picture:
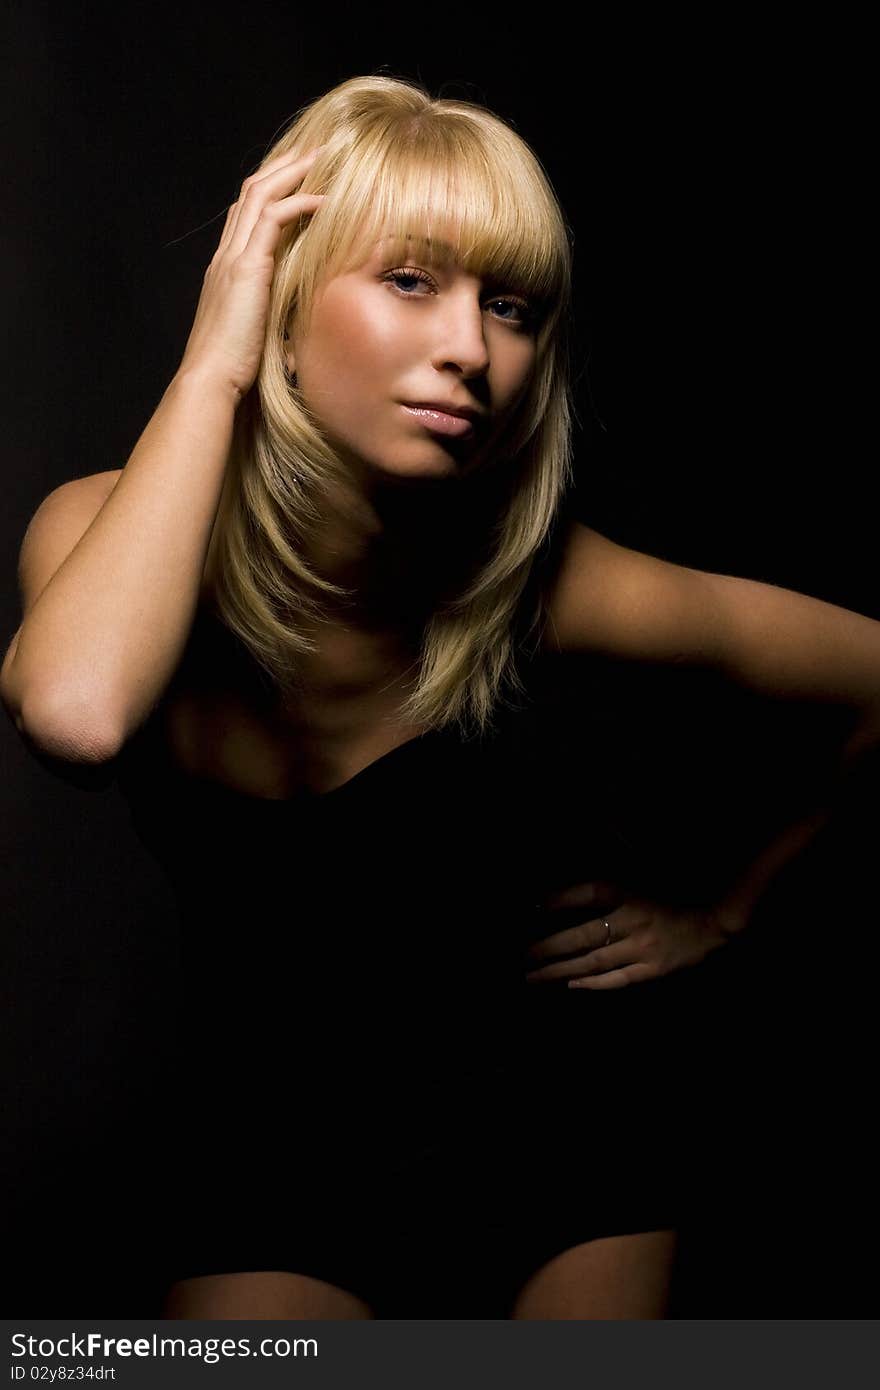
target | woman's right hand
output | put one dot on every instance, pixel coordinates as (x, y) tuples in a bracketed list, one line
[(229, 329)]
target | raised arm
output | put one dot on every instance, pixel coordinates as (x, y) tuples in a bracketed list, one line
[(109, 598), (110, 579)]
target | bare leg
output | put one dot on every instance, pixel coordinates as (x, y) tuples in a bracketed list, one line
[(624, 1277), (261, 1294)]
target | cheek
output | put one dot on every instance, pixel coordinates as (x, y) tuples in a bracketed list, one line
[(357, 351), (522, 361)]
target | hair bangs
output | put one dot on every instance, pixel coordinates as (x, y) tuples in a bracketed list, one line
[(446, 200)]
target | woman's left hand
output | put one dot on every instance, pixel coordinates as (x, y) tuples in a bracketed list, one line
[(647, 939)]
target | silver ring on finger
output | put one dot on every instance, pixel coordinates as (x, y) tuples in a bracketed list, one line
[(607, 941)]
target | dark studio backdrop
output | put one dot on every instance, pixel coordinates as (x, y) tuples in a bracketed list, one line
[(715, 184)]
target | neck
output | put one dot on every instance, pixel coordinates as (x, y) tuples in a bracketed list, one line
[(399, 549)]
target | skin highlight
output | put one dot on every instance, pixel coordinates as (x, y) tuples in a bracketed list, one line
[(381, 334)]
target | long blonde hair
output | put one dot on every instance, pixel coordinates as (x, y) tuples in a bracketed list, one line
[(398, 158)]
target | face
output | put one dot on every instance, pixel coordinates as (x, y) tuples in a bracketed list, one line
[(420, 330)]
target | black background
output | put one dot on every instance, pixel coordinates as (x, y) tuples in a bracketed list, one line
[(715, 177)]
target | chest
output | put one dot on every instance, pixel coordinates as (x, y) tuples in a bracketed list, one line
[(221, 720)]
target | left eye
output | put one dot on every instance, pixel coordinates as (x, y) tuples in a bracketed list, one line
[(414, 274)]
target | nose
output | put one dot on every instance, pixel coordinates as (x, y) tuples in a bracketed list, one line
[(461, 339)]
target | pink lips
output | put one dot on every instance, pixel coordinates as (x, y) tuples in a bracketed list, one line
[(440, 422)]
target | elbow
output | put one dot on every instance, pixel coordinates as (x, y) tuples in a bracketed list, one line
[(65, 730)]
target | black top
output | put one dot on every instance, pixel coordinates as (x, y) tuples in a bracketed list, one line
[(397, 904), (354, 1006)]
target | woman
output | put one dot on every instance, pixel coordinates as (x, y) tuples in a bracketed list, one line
[(341, 538)]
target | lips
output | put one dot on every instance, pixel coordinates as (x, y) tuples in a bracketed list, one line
[(465, 412), (441, 421)]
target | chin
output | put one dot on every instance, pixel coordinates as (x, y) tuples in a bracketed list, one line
[(421, 467)]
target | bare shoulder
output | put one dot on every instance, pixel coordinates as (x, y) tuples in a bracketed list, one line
[(94, 485), (611, 600), (56, 526), (58, 523)]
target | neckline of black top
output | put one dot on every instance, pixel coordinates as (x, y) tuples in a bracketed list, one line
[(304, 793)]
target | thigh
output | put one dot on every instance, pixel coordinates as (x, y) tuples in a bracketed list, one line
[(611, 1277), (262, 1294)]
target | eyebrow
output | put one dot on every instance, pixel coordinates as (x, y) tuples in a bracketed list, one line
[(418, 239)]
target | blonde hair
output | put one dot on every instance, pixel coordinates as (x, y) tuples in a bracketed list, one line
[(397, 158)]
